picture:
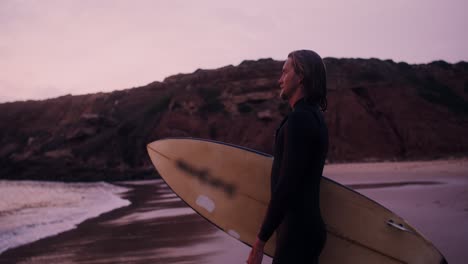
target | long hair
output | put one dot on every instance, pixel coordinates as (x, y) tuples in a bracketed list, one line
[(310, 65)]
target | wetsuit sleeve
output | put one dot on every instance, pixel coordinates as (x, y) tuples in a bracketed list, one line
[(293, 169)]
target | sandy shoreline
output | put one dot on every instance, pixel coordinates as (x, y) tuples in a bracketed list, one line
[(32, 210), (158, 228), (102, 240)]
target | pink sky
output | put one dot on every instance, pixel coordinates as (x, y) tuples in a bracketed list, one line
[(50, 48)]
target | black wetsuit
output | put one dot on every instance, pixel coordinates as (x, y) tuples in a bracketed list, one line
[(301, 147)]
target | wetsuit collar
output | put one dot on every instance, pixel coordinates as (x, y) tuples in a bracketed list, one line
[(302, 102)]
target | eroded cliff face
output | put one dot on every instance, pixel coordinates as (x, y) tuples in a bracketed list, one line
[(378, 110)]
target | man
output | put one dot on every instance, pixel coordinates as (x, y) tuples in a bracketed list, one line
[(301, 146)]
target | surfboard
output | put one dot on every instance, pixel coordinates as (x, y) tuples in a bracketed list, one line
[(229, 186)]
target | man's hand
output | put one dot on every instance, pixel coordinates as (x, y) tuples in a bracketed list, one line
[(256, 254)]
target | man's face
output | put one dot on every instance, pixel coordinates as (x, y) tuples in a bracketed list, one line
[(289, 81)]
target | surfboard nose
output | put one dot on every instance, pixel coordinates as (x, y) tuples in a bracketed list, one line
[(159, 148), (155, 145)]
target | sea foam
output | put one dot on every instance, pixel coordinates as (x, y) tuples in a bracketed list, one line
[(31, 210)]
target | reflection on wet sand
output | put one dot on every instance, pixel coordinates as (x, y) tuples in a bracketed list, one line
[(390, 184), (155, 228), (158, 228)]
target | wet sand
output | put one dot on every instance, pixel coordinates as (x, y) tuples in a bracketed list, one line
[(158, 228)]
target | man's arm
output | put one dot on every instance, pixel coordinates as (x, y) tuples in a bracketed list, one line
[(297, 143)]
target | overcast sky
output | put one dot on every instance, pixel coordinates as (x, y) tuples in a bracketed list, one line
[(50, 48)]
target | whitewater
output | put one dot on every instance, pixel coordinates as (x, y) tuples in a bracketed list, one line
[(32, 210)]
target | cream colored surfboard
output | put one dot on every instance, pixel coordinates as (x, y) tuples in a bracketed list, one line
[(229, 186)]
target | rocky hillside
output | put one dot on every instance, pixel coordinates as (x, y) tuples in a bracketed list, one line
[(378, 110)]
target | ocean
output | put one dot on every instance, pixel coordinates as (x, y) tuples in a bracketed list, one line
[(32, 210)]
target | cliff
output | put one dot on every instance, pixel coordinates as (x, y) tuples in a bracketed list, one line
[(378, 110)]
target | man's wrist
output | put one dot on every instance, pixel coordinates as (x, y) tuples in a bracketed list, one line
[(260, 244)]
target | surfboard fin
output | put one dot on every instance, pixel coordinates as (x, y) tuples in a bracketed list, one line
[(398, 226)]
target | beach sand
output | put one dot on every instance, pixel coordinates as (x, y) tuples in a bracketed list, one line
[(158, 228), (432, 196)]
